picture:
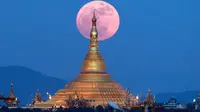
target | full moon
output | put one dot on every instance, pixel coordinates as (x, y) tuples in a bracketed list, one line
[(107, 19)]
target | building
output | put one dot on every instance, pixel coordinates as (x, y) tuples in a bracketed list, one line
[(172, 104), (150, 100), (37, 98), (197, 102), (11, 100), (93, 83)]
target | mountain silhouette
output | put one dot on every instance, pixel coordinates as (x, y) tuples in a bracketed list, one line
[(26, 82)]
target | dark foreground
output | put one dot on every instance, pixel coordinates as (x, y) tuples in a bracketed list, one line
[(98, 109)]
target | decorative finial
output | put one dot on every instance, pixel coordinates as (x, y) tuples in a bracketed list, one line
[(11, 83), (94, 19)]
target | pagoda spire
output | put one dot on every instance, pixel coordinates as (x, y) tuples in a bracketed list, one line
[(11, 94), (93, 47), (93, 62)]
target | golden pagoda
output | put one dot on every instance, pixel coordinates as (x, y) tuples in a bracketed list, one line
[(93, 83)]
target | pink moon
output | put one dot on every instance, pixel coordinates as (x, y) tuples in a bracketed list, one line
[(107, 19)]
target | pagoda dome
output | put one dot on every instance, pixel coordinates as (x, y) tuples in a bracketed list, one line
[(172, 100)]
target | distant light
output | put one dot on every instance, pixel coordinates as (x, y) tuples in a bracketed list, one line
[(137, 97), (49, 96), (47, 93), (194, 100)]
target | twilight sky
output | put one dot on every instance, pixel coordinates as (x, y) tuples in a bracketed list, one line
[(157, 44)]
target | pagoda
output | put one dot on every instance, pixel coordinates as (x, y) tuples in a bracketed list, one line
[(150, 100), (93, 83), (197, 102), (11, 100), (37, 98)]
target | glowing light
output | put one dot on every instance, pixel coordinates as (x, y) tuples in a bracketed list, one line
[(194, 100), (137, 97), (49, 96)]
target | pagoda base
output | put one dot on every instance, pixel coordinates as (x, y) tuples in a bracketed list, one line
[(96, 88)]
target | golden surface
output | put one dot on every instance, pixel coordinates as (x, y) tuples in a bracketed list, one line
[(100, 88), (93, 83), (93, 61)]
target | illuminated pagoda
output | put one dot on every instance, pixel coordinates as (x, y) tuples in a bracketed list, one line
[(93, 83), (150, 100), (11, 100), (37, 98)]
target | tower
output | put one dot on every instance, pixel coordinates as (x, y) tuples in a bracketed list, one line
[(11, 94), (11, 100), (150, 100), (37, 98), (93, 83)]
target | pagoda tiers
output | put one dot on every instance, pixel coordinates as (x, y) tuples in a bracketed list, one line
[(93, 83)]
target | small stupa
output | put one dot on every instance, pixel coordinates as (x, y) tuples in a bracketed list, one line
[(11, 100), (38, 97)]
